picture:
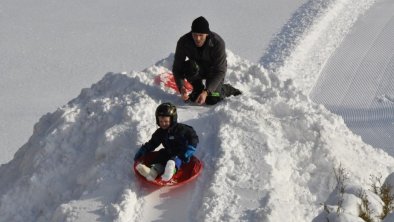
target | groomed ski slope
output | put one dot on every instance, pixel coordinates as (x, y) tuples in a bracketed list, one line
[(268, 155), (357, 82)]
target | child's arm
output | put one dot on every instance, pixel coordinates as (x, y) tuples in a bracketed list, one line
[(192, 139), (153, 143), (149, 146)]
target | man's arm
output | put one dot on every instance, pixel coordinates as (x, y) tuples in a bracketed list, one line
[(177, 67), (218, 68)]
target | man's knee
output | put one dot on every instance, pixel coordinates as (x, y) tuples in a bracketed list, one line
[(213, 98), (191, 70)]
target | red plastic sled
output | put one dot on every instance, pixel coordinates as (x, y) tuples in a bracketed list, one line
[(168, 79), (188, 172)]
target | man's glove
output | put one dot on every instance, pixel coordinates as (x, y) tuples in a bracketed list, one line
[(139, 153), (189, 153)]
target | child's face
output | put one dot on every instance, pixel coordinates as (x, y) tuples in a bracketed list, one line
[(164, 122)]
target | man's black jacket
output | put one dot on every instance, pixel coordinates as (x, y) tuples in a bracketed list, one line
[(211, 58)]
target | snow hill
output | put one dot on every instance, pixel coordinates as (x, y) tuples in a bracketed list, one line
[(269, 155)]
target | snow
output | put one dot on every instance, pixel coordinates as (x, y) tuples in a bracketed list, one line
[(357, 81), (53, 49), (269, 154)]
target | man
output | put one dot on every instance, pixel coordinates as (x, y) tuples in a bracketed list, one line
[(201, 55)]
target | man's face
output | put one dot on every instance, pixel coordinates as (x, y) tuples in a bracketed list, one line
[(164, 122), (199, 38)]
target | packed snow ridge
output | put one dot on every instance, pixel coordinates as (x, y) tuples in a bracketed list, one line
[(269, 154), (300, 50)]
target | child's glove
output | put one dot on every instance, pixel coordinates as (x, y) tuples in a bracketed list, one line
[(139, 153), (189, 153)]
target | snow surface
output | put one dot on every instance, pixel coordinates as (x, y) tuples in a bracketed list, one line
[(51, 49), (269, 155), (357, 82)]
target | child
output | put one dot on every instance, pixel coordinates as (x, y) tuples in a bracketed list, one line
[(179, 142)]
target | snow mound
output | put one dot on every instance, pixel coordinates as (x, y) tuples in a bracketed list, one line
[(269, 154)]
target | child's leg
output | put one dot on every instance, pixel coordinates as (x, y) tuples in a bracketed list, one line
[(172, 166), (178, 162), (143, 169), (157, 165), (162, 157), (155, 170), (150, 173)]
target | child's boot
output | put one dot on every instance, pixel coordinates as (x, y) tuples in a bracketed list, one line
[(169, 171), (152, 174), (143, 169)]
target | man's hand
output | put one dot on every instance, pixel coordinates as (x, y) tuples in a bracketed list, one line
[(184, 95), (202, 97)]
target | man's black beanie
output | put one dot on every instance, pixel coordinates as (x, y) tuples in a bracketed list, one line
[(200, 25)]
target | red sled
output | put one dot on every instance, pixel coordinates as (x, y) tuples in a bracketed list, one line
[(168, 80), (187, 172)]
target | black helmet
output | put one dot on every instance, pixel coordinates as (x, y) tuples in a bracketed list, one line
[(166, 109)]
